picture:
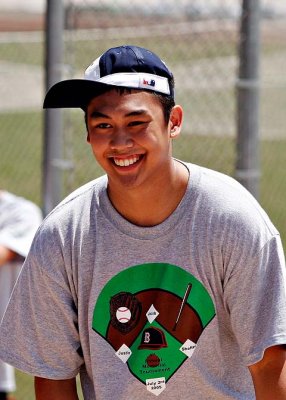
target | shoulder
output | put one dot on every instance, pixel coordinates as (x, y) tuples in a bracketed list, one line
[(84, 197), (229, 211), (66, 226), (228, 197), (76, 207)]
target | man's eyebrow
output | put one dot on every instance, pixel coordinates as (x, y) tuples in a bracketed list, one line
[(136, 112), (97, 114)]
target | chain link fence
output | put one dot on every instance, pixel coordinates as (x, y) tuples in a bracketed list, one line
[(199, 42)]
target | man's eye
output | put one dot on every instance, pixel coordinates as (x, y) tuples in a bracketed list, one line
[(135, 123), (103, 125)]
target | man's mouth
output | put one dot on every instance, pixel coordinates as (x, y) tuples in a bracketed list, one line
[(126, 162)]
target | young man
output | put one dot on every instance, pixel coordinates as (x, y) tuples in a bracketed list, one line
[(159, 278), (19, 220)]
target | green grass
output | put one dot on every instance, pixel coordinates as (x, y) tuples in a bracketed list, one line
[(22, 53), (273, 183), (25, 387), (21, 153)]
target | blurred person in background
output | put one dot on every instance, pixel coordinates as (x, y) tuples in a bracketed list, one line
[(19, 220)]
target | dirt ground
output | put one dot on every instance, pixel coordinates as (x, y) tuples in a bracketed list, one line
[(20, 22)]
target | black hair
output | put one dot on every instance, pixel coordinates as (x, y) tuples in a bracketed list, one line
[(167, 102)]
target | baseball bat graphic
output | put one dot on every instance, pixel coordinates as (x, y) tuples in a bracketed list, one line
[(185, 298)]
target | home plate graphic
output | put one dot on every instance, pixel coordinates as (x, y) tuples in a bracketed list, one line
[(153, 316)]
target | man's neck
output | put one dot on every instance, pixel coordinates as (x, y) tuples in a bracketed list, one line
[(149, 206)]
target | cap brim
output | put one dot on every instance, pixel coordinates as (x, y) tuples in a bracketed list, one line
[(73, 93)]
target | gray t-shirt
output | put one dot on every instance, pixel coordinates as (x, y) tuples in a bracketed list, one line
[(181, 308)]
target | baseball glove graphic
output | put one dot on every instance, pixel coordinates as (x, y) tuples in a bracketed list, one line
[(125, 312)]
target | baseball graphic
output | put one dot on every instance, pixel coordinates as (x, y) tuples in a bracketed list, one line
[(125, 312), (123, 315), (157, 313), (152, 360)]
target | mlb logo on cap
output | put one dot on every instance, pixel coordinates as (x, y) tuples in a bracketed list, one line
[(149, 83)]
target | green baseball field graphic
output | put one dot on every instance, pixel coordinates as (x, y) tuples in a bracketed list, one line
[(153, 315)]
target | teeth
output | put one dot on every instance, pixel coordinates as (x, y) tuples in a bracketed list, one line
[(126, 162)]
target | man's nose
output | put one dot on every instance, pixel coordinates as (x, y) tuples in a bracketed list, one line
[(121, 139)]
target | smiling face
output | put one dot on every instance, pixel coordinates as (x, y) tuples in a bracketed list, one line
[(131, 139)]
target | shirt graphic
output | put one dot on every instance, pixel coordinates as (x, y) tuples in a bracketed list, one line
[(153, 315)]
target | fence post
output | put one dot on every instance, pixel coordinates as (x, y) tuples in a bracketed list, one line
[(52, 151), (247, 162)]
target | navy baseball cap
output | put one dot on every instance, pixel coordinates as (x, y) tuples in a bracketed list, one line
[(124, 66)]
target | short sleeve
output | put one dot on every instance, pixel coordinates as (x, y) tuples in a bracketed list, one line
[(39, 332), (255, 296)]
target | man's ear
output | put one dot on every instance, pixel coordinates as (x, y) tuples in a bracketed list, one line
[(175, 122), (87, 137)]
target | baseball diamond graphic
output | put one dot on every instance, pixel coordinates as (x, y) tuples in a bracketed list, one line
[(153, 315)]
